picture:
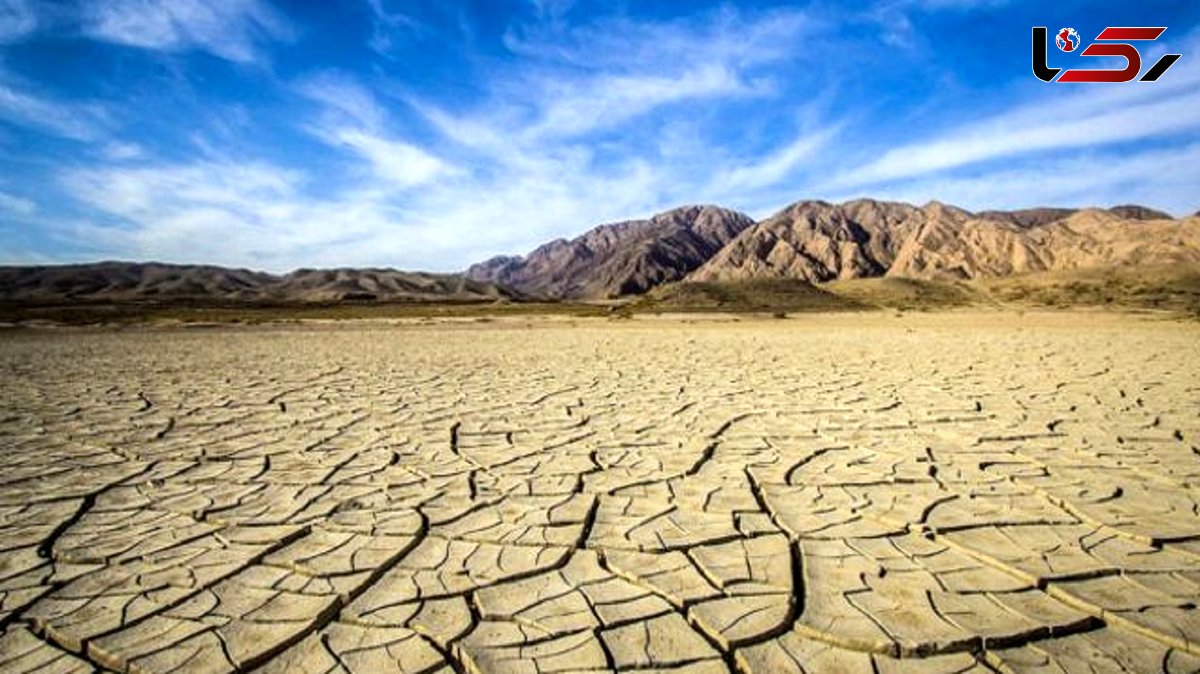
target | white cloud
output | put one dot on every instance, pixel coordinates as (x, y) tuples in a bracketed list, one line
[(894, 22), (1006, 136), (386, 24), (729, 36), (78, 121), (602, 75), (596, 124), (545, 173), (518, 167), (236, 212), (500, 177), (16, 204), (231, 212), (608, 101), (770, 170), (551, 9), (18, 18), (119, 151), (1162, 178), (230, 29), (934, 5), (1075, 120), (138, 192), (603, 123), (401, 164), (345, 102), (351, 118)]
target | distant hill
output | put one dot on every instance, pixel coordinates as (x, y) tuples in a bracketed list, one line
[(626, 258), (818, 241), (751, 295), (812, 254), (126, 282)]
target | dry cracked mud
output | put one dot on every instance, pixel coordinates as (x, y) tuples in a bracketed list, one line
[(863, 493)]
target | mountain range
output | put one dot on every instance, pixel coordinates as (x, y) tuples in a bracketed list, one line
[(813, 242), (627, 258), (134, 282), (816, 241)]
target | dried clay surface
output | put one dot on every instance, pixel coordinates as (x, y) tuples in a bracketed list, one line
[(866, 493)]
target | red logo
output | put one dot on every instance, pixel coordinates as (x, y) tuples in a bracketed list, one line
[(1067, 39), (1110, 42)]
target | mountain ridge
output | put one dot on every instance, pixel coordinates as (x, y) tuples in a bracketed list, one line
[(117, 281), (623, 258), (810, 241), (818, 241)]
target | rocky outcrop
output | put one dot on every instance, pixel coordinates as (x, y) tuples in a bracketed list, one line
[(626, 258)]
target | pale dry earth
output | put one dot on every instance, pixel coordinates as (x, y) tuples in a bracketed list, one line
[(829, 493)]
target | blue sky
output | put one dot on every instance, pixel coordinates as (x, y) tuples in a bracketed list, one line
[(429, 134)]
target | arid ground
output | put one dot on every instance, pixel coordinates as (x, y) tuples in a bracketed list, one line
[(854, 492)]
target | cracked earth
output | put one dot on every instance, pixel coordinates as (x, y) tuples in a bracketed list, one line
[(872, 494)]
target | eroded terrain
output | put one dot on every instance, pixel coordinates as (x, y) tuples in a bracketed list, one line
[(821, 494)]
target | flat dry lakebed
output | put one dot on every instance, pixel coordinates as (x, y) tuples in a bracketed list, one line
[(942, 493)]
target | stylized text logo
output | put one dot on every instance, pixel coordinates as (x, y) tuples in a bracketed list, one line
[(1112, 41)]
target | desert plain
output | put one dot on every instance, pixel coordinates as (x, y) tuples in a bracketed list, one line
[(862, 492)]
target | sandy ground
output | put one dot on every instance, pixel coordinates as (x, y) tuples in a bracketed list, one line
[(935, 493)]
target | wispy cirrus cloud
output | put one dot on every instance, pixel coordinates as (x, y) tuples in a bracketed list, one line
[(386, 24), (234, 30), (401, 165), (651, 91), (500, 176), (229, 210), (17, 204), (608, 101), (351, 119), (1164, 177), (769, 170), (598, 76), (1078, 120), (78, 121), (18, 19), (425, 135), (121, 151)]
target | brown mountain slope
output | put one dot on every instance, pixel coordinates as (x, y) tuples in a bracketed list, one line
[(750, 295), (620, 259), (1089, 238), (817, 241), (1093, 238), (323, 285), (953, 244), (131, 282)]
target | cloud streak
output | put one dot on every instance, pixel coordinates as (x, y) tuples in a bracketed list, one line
[(1120, 130), (230, 29), (18, 19), (77, 121), (419, 137), (16, 204)]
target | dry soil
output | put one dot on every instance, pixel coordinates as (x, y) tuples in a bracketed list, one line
[(934, 493)]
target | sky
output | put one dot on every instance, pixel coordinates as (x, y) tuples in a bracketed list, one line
[(430, 134)]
